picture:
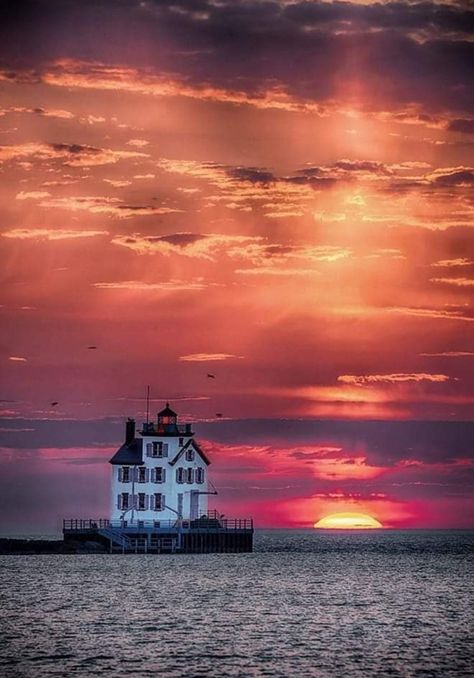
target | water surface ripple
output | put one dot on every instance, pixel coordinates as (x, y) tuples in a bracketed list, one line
[(305, 603)]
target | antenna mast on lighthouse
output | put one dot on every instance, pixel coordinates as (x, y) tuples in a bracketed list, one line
[(147, 404)]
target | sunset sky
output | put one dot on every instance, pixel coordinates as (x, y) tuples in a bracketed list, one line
[(277, 193)]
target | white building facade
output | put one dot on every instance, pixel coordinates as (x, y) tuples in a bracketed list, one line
[(159, 475)]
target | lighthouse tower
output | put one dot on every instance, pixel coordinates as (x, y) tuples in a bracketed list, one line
[(159, 474)]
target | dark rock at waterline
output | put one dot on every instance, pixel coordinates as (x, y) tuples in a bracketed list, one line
[(45, 546)]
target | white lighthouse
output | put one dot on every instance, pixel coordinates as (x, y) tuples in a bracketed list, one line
[(160, 488), (159, 474)]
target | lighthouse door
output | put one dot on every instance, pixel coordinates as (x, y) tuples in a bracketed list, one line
[(194, 505)]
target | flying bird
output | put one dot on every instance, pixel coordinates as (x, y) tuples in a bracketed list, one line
[(92, 348), (219, 415), (211, 376), (53, 404)]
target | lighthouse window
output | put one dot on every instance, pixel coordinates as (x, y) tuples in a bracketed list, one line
[(142, 474), (125, 474), (190, 475), (123, 501), (200, 475), (159, 449), (141, 501), (159, 501), (180, 475), (190, 454), (160, 474)]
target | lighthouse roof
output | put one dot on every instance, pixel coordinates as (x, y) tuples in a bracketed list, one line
[(167, 412), (130, 454), (198, 449)]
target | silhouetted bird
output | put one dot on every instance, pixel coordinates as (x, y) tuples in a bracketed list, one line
[(211, 376), (219, 415), (92, 348), (54, 404)]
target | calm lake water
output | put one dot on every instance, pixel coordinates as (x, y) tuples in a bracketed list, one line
[(305, 603)]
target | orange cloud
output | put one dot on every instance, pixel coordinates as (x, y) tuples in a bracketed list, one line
[(461, 261), (432, 313), (391, 378), (106, 205), (457, 282), (243, 188), (262, 253), (449, 354), (43, 112), (86, 75), (165, 286), (74, 155), (207, 357), (32, 195), (117, 183), (275, 271), (50, 234), (139, 143), (194, 245), (346, 468), (77, 74)]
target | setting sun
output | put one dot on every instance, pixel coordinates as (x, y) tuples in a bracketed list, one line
[(348, 521)]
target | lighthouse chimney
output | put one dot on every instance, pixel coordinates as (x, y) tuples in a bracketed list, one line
[(129, 431)]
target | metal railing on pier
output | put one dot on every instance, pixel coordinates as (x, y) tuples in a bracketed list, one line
[(210, 521)]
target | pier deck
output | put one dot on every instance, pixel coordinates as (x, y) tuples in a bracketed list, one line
[(208, 534)]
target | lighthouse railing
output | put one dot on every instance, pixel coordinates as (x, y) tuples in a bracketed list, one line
[(205, 522)]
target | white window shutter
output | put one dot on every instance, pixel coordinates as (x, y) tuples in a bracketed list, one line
[(119, 501), (165, 449), (163, 475), (163, 502), (147, 475), (149, 449), (120, 474), (191, 474), (147, 501)]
